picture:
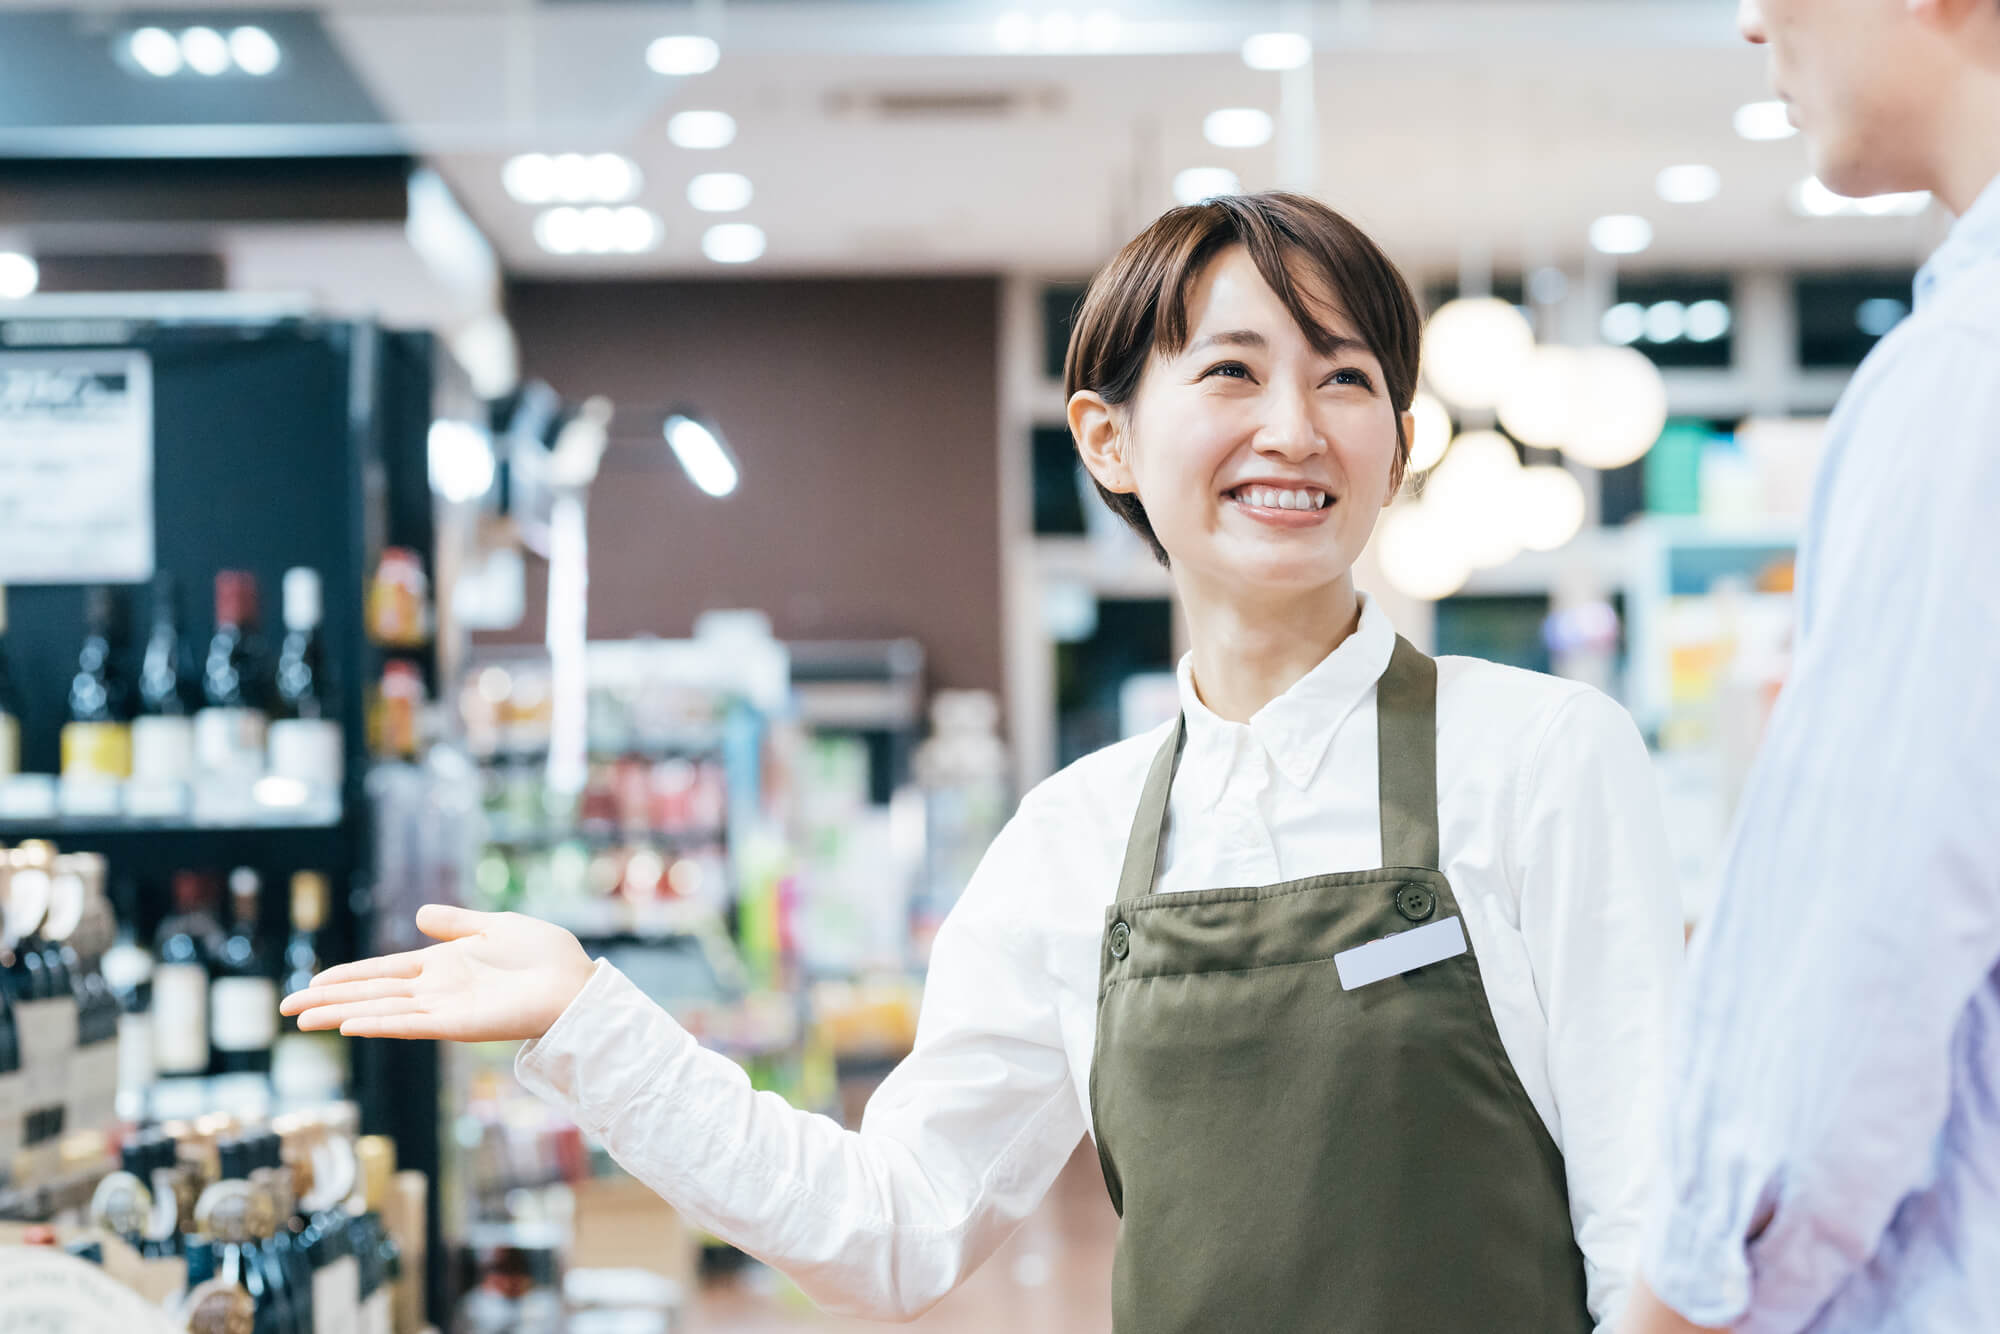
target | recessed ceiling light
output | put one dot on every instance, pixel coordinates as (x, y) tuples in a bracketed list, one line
[(1621, 234), (1237, 127), (598, 230), (156, 51), (19, 276), (1765, 121), (1195, 184), (1666, 322), (1708, 321), (719, 191), (702, 129), (733, 242), (253, 50), (613, 179), (204, 51), (1814, 200), (702, 454), (1623, 324), (1692, 183), (683, 55), (572, 178), (1277, 50)]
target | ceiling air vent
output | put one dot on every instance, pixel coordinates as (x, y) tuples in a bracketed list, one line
[(944, 104)]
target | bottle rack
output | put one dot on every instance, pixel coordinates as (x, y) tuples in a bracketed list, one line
[(277, 442)]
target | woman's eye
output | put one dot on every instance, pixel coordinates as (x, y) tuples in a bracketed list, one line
[(1233, 369), (1352, 376)]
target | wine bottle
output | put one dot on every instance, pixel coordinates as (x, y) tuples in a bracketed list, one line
[(13, 1088), (10, 705), (229, 730), (305, 738), (38, 1012), (242, 995), (128, 971), (306, 1067), (232, 1216), (380, 1257), (184, 955), (163, 733), (97, 738)]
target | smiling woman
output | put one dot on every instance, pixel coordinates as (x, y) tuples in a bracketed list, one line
[(1316, 965)]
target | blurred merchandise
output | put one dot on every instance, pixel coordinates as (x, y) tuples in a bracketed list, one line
[(305, 739), (10, 705), (963, 772), (97, 736), (163, 761), (395, 721), (229, 731), (398, 608)]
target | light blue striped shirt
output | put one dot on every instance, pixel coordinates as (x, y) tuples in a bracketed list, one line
[(1837, 1065)]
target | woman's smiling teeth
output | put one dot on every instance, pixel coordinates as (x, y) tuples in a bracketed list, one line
[(1270, 497)]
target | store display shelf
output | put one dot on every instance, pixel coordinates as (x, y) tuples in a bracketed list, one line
[(672, 748), (504, 835), (59, 827)]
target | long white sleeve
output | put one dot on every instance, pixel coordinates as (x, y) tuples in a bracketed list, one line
[(957, 1146), (1600, 917)]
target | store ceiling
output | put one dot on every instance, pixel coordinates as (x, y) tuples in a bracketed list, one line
[(898, 135)]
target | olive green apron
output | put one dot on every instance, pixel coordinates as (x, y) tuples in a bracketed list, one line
[(1288, 1154)]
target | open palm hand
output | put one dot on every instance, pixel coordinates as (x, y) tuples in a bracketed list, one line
[(493, 977)]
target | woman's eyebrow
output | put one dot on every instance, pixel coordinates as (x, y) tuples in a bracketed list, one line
[(1335, 345)]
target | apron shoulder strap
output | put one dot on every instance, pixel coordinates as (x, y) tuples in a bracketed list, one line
[(1149, 826), (1406, 757)]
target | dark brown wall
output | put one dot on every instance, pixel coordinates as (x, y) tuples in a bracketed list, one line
[(863, 414)]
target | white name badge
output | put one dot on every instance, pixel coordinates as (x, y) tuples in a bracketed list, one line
[(1433, 942)]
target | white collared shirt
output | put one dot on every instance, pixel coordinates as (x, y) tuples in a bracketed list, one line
[(1550, 826)]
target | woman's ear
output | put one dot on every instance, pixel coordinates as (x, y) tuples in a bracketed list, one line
[(1093, 424)]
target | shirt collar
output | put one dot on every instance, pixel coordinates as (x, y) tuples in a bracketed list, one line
[(1974, 240), (1297, 727)]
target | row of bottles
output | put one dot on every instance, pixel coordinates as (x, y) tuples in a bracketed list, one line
[(98, 1028), (203, 1003), (295, 1227), (163, 736), (59, 1021)]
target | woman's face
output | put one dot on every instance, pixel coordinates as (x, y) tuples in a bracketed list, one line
[(1262, 463)]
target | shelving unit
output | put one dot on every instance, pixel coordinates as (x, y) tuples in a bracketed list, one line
[(278, 440)]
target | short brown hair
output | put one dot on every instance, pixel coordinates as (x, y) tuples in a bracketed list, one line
[(1138, 302)]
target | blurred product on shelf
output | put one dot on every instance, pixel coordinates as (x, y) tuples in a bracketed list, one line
[(398, 607), (163, 764), (10, 704), (97, 731), (305, 738), (230, 730), (963, 771), (395, 722), (292, 1225)]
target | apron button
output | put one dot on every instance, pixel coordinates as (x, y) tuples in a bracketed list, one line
[(1416, 902), (1121, 940)]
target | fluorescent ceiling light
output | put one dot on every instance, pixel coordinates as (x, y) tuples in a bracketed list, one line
[(1765, 121), (1623, 324), (253, 50), (1621, 234), (733, 242), (1277, 50), (1708, 321), (719, 191), (204, 51), (19, 276), (702, 129), (156, 51), (1237, 127), (598, 230), (1693, 183), (702, 454), (1198, 183), (683, 55)]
